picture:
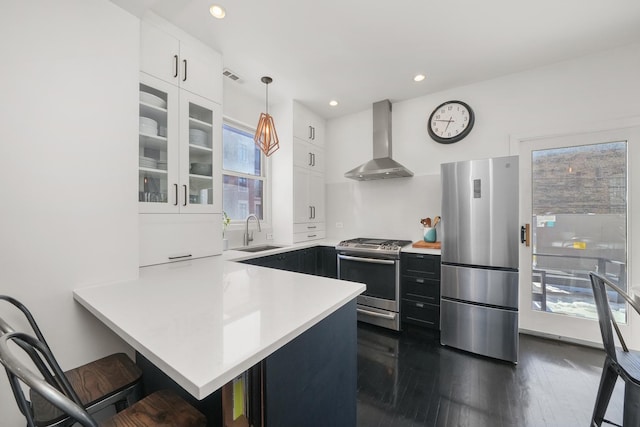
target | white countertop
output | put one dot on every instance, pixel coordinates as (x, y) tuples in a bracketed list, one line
[(205, 321), (412, 250)]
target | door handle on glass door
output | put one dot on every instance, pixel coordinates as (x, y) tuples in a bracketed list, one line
[(525, 233)]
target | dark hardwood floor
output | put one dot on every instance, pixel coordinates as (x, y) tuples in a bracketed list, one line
[(409, 379)]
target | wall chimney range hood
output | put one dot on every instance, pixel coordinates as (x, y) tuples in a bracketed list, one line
[(382, 166)]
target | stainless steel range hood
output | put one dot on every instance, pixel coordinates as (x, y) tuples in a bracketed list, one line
[(382, 166)]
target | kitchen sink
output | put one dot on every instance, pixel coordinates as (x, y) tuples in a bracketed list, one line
[(258, 248)]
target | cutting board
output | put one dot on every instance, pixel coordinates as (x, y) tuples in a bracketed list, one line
[(426, 245)]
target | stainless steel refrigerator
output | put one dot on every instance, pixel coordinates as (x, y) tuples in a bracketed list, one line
[(480, 238)]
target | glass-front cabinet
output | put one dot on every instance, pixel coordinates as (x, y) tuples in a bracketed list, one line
[(179, 133)]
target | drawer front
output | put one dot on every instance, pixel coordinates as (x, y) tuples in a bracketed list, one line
[(420, 313), (494, 287), (488, 331), (427, 266), (420, 289), (309, 235), (176, 237), (308, 227)]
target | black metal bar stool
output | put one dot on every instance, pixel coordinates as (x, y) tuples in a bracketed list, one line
[(619, 362), (163, 408), (111, 380)]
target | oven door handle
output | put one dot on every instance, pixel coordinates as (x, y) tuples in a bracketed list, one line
[(367, 260), (389, 316)]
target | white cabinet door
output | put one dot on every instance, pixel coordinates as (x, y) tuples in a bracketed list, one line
[(307, 126), (308, 196), (159, 53), (200, 137), (201, 71), (316, 196), (190, 66), (318, 127), (158, 161), (307, 155)]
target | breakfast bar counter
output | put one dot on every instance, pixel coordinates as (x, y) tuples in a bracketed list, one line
[(205, 321)]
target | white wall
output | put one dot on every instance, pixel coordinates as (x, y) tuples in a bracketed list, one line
[(240, 106), (68, 120), (568, 96)]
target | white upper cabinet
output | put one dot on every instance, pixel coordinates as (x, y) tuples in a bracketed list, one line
[(307, 155), (179, 150), (307, 125), (186, 64)]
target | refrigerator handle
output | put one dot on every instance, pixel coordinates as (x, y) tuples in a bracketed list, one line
[(525, 233)]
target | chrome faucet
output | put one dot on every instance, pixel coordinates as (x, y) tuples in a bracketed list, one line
[(247, 238)]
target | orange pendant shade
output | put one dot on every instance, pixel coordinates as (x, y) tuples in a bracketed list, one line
[(266, 137)]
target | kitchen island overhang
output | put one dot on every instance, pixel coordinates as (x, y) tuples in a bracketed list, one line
[(205, 321)]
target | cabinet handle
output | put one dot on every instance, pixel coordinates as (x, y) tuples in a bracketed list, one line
[(184, 79), (180, 256), (313, 133), (419, 280), (176, 187), (420, 256), (185, 195), (313, 156), (310, 212), (309, 227), (310, 159), (419, 305), (310, 132), (175, 58), (311, 235), (389, 316), (313, 210)]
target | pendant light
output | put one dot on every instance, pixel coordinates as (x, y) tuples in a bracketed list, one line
[(266, 137)]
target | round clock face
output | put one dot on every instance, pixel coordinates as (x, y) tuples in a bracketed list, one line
[(450, 122)]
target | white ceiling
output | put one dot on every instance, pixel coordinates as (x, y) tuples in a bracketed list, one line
[(362, 51)]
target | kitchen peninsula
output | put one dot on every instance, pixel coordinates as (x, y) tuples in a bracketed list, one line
[(205, 321)]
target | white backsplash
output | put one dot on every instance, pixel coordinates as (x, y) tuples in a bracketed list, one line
[(383, 208)]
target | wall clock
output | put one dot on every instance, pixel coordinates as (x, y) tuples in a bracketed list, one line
[(450, 122)]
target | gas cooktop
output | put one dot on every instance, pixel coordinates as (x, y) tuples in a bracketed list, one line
[(364, 244)]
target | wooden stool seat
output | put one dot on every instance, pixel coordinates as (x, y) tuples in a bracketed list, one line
[(98, 384), (163, 408)]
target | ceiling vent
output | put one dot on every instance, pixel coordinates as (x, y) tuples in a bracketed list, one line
[(231, 75)]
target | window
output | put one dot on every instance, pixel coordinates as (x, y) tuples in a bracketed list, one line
[(243, 173)]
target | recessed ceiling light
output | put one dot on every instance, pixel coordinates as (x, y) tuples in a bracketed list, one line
[(333, 103), (419, 77), (217, 11)]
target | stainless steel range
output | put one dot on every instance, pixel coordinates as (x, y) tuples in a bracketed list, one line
[(376, 263)]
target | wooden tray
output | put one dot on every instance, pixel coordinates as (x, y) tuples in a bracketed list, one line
[(426, 245)]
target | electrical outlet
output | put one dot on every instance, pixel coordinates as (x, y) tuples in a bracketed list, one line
[(339, 225), (269, 236)]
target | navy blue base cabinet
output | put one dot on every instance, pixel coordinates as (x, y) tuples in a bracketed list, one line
[(310, 382)]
